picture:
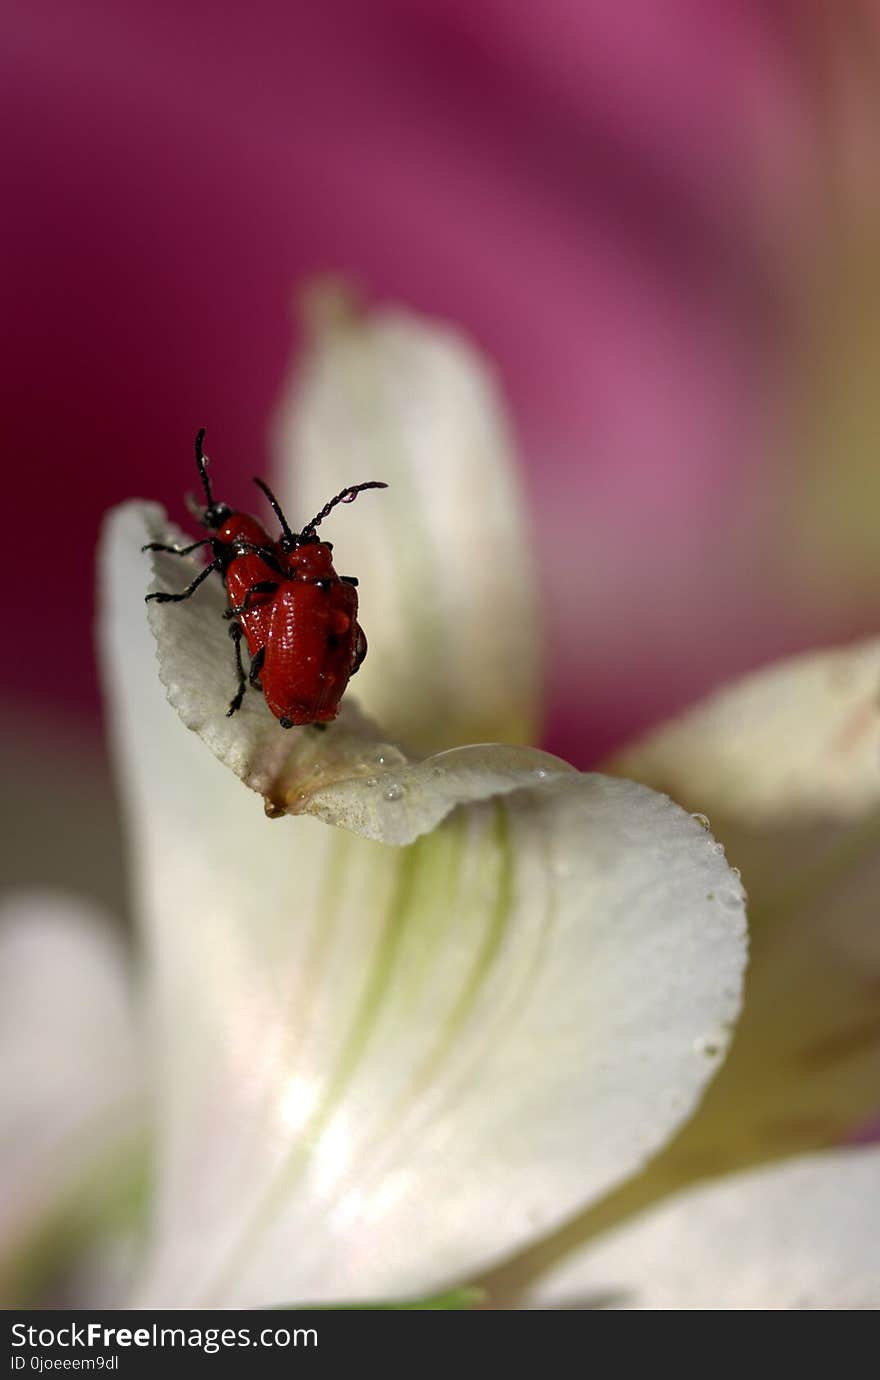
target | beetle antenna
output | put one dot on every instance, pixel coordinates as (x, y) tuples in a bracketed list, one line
[(346, 496), (276, 509), (202, 465)]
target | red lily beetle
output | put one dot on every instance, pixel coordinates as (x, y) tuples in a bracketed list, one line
[(296, 615)]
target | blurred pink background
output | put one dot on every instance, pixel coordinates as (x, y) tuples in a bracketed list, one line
[(661, 223)]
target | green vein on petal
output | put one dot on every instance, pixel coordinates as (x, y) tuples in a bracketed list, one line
[(415, 892), (446, 889), (497, 921)]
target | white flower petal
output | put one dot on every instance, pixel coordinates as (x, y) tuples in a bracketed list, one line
[(786, 765), (444, 556), (799, 740), (381, 1067), (70, 1081), (799, 1235)]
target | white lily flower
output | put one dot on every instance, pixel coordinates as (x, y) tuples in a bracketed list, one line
[(431, 1041)]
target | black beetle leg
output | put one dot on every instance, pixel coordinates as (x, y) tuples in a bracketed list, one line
[(265, 553), (184, 593), (261, 587), (256, 668), (177, 550), (235, 702)]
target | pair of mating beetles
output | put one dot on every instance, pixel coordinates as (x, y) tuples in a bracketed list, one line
[(296, 615)]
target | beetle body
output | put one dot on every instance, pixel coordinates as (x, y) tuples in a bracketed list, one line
[(297, 617), (314, 642), (246, 578)]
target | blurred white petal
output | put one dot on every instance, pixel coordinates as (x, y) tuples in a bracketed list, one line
[(786, 764), (444, 556), (70, 1084), (382, 1068), (794, 742), (799, 1235)]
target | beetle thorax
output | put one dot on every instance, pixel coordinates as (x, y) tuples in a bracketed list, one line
[(239, 527), (315, 560)]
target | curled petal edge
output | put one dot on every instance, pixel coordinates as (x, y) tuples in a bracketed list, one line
[(349, 775)]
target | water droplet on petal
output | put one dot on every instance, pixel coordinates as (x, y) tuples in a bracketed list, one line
[(540, 773), (701, 819), (717, 849), (394, 791), (387, 755)]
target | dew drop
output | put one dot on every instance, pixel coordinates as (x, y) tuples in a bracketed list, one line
[(702, 820), (736, 872), (540, 773), (349, 497), (394, 791), (717, 849), (388, 756)]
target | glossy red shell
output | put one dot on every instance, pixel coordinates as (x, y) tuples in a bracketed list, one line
[(240, 527), (310, 651), (242, 574), (308, 627)]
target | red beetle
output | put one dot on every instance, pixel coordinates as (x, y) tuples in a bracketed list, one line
[(297, 616)]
